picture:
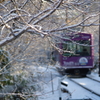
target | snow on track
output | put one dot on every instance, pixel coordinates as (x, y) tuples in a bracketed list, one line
[(88, 83)]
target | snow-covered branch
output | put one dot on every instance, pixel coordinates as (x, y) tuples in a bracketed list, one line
[(11, 38)]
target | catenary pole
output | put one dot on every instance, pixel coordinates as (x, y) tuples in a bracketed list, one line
[(99, 41)]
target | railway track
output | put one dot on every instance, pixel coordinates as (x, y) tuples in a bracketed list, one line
[(88, 83), (93, 79)]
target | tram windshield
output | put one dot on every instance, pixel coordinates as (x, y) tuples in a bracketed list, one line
[(76, 49)]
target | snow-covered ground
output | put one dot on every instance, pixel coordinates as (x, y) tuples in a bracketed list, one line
[(51, 87)]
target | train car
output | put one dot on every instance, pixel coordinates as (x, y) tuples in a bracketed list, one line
[(79, 59)]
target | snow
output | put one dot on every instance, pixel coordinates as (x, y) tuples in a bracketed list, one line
[(94, 75), (51, 87), (89, 83)]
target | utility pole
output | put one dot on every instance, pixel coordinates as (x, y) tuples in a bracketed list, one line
[(99, 41), (83, 17)]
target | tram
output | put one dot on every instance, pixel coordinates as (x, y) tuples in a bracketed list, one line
[(79, 59)]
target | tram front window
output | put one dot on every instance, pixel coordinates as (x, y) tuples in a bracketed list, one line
[(75, 49)]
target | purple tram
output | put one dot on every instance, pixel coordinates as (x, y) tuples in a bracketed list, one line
[(79, 61)]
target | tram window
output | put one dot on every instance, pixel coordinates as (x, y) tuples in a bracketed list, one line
[(84, 50), (68, 46), (75, 49)]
